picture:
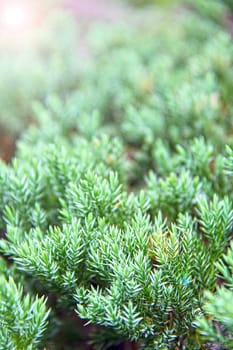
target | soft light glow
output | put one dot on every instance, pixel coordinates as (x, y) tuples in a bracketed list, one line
[(15, 17)]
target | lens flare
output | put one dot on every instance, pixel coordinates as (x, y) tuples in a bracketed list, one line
[(14, 17)]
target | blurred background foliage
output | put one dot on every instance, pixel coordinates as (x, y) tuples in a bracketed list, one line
[(130, 64), (159, 72)]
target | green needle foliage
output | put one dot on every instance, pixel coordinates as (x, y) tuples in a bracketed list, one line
[(117, 207), (217, 324), (23, 318), (112, 255)]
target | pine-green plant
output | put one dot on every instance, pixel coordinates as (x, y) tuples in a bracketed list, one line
[(217, 323), (118, 204), (23, 319), (76, 230)]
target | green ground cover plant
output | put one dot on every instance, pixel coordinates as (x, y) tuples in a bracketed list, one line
[(117, 206)]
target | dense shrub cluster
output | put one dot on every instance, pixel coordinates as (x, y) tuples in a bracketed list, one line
[(118, 203)]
